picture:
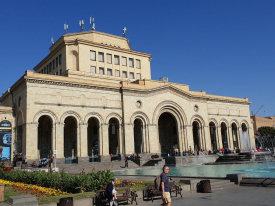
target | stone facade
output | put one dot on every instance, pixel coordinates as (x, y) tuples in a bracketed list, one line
[(262, 122), (82, 114)]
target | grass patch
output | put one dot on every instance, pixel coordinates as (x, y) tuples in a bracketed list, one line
[(8, 193)]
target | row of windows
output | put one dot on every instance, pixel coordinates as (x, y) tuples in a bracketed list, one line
[(116, 59), (56, 73), (52, 65), (117, 73)]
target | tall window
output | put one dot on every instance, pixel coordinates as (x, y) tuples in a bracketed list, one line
[(109, 58), (124, 74), (92, 55), (124, 61), (131, 62), (138, 75), (60, 72), (101, 70), (100, 57), (53, 64), (56, 62), (131, 75), (50, 68), (117, 73), (138, 63), (93, 69), (60, 59), (56, 73), (116, 59), (44, 70), (109, 72)]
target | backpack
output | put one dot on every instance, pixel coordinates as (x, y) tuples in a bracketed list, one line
[(158, 182)]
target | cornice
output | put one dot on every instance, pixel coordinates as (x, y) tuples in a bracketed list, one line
[(83, 106), (178, 92)]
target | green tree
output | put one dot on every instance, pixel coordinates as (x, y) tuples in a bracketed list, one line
[(266, 131)]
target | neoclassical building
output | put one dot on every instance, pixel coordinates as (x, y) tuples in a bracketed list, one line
[(93, 96)]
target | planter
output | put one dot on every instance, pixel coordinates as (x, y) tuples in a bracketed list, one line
[(7, 169)]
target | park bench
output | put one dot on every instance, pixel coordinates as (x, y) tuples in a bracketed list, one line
[(123, 194), (175, 188)]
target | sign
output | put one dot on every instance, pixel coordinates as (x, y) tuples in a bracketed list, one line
[(5, 140), (55, 152)]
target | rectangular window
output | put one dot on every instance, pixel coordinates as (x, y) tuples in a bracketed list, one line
[(109, 72), (60, 59), (131, 75), (138, 76), (93, 69), (44, 71), (124, 74), (56, 73), (131, 62), (101, 70), (50, 68), (53, 65), (92, 55), (100, 57), (109, 58), (56, 62), (124, 61), (60, 72), (138, 63), (116, 59), (117, 73)]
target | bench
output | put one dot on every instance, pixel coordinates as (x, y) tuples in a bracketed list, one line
[(127, 195), (175, 188)]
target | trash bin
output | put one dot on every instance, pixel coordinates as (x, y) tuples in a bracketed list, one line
[(204, 186), (68, 201)]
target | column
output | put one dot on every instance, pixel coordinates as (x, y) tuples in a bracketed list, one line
[(230, 138), (144, 148), (121, 140), (53, 140), (129, 139), (147, 139), (30, 141), (189, 134), (154, 139), (105, 140), (59, 139), (83, 146), (208, 143), (219, 137)]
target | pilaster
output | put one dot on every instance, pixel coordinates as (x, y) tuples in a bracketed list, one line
[(59, 139), (30, 141), (154, 139), (105, 140), (129, 142), (83, 146)]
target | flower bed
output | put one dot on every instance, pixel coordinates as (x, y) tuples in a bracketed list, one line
[(33, 189), (127, 183)]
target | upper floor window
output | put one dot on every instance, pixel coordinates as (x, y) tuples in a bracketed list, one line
[(131, 75), (138, 63), (56, 62), (109, 58), (138, 76), (116, 59), (109, 72), (101, 70), (92, 55), (44, 70), (60, 72), (100, 57), (131, 62), (117, 73), (93, 69), (124, 74), (124, 61), (53, 64), (60, 59), (50, 68)]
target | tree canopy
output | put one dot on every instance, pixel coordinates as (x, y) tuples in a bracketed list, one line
[(267, 131)]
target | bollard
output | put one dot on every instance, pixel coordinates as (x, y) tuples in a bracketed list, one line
[(68, 201)]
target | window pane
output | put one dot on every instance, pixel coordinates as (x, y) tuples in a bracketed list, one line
[(53, 65), (101, 70), (50, 68), (60, 59), (60, 72), (109, 72), (93, 69), (123, 61), (124, 74), (100, 57), (131, 62), (138, 63), (117, 73), (109, 58), (131, 75), (92, 55), (138, 76), (56, 62), (116, 60)]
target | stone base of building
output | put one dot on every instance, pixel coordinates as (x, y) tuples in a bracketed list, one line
[(190, 160)]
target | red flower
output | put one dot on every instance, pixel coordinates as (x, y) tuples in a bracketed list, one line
[(83, 169)]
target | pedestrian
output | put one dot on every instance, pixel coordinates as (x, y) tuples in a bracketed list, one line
[(119, 157), (111, 155), (126, 162), (165, 187)]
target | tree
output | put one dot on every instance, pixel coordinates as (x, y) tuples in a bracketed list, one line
[(266, 137)]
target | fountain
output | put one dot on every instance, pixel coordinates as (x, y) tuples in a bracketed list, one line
[(244, 138)]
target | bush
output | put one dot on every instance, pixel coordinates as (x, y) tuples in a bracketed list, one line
[(65, 182)]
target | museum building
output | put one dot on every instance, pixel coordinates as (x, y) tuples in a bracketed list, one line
[(93, 96)]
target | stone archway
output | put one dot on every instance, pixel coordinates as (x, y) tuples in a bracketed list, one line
[(224, 135), (138, 134), (213, 136), (70, 137), (197, 136), (93, 137), (168, 134), (114, 136), (45, 136)]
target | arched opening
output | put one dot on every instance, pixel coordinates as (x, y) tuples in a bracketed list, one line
[(70, 138), (45, 136), (224, 135), (197, 136), (93, 139), (138, 130), (113, 136), (168, 134), (235, 136), (213, 136), (244, 137)]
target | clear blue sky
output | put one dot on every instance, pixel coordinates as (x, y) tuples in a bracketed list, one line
[(221, 47)]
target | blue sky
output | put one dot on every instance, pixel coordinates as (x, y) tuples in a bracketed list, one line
[(221, 47)]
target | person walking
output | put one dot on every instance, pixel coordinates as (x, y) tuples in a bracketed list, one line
[(165, 187), (111, 155), (126, 162)]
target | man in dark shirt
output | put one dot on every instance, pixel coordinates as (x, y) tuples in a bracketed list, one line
[(165, 187), (109, 193)]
